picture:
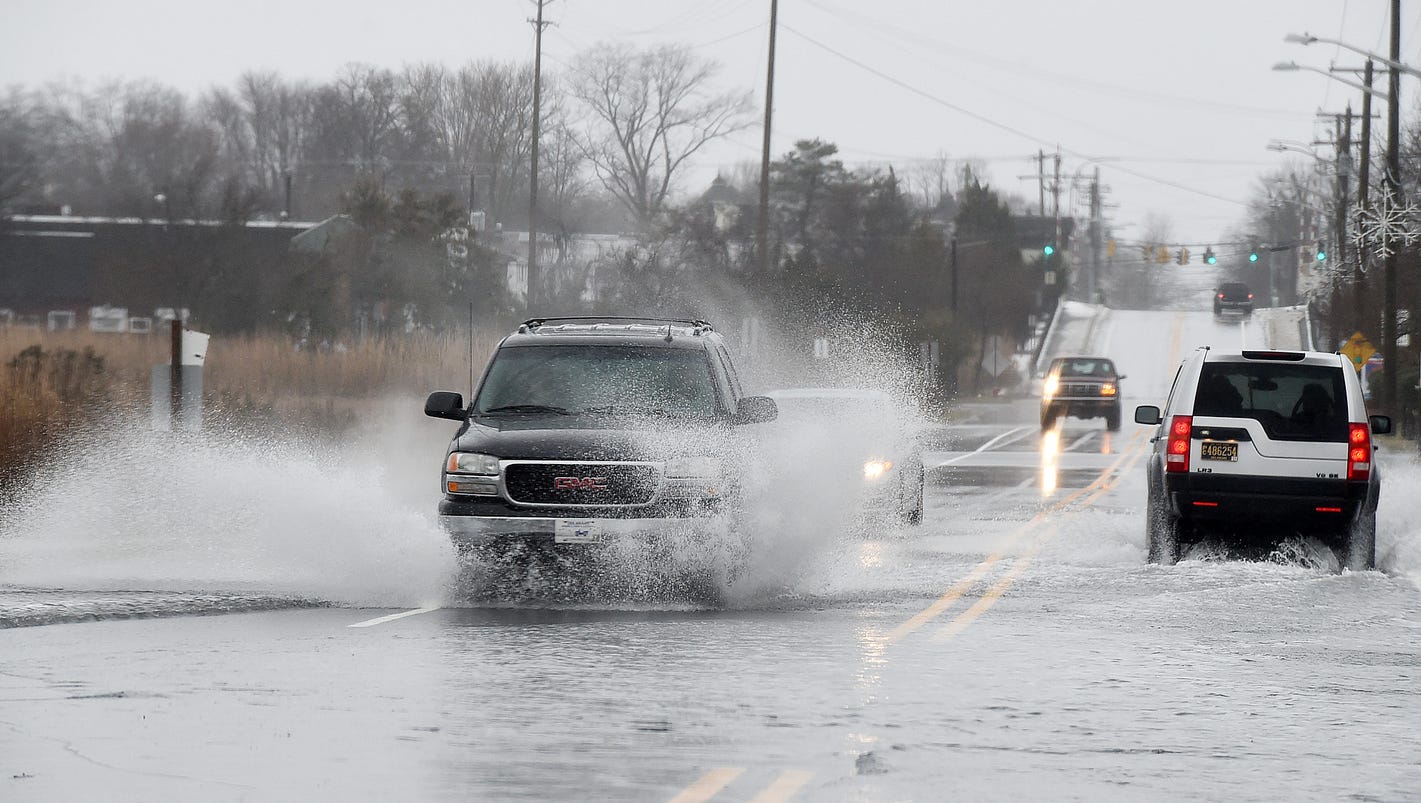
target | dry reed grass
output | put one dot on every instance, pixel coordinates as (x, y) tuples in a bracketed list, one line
[(254, 381)]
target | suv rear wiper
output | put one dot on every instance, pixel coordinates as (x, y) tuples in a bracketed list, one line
[(526, 408)]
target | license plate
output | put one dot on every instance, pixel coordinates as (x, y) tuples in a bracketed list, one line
[(1214, 450), (577, 531)]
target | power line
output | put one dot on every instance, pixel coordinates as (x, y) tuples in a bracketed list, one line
[(999, 125)]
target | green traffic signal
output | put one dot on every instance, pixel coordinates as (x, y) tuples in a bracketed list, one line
[(1252, 256), (1049, 249), (1321, 251)]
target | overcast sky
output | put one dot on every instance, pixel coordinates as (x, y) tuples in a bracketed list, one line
[(1178, 100)]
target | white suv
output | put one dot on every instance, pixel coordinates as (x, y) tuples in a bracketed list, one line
[(1254, 445)]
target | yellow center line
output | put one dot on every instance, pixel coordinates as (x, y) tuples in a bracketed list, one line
[(784, 787), (954, 593), (1103, 484), (708, 785), (990, 598)]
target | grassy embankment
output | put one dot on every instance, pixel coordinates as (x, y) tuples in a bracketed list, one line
[(51, 381)]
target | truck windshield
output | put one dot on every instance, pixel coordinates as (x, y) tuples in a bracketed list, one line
[(613, 380)]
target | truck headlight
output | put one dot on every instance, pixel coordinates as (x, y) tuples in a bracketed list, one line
[(698, 467), (874, 469), (1050, 386), (1108, 389), (471, 463)]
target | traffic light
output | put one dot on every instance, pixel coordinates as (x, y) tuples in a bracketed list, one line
[(1049, 249), (1253, 254), (1321, 250), (1182, 256), (1209, 257), (1162, 256)]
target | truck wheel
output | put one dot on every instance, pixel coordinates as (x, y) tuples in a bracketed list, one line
[(1112, 419), (1360, 554), (1163, 529)]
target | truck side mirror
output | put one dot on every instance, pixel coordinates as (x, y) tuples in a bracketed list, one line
[(755, 410), (444, 404)]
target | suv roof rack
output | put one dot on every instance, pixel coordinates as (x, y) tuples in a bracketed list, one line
[(532, 324)]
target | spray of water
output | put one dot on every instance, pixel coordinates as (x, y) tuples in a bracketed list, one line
[(127, 509)]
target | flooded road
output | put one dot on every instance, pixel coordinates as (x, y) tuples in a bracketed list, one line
[(1014, 645)]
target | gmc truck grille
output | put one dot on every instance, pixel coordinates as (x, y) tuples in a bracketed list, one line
[(589, 484), (1080, 389)]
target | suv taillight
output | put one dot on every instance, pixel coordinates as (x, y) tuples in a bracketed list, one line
[(1359, 451), (1176, 455), (1221, 295)]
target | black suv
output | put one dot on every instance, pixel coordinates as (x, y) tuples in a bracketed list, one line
[(1233, 297), (585, 430)]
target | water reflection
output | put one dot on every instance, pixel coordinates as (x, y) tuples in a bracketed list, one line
[(1050, 459)]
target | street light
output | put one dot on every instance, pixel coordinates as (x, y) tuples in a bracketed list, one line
[(1392, 181), (1306, 38), (1293, 66)]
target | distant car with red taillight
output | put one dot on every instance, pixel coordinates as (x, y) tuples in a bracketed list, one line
[(1233, 297), (1253, 445)]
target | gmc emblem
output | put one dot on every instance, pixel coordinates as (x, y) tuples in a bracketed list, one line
[(580, 483)]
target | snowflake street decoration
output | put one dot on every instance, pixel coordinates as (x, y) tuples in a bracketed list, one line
[(1382, 228)]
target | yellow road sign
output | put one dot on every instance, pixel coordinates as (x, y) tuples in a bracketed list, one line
[(1358, 350)]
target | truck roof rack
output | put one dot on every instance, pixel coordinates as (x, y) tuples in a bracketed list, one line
[(532, 324)]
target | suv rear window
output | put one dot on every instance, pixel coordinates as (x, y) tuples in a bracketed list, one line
[(601, 379), (1292, 402)]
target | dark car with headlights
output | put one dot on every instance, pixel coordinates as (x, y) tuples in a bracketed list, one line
[(585, 430), (1083, 387)]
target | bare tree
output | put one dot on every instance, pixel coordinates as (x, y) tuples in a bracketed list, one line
[(19, 169), (263, 125), (482, 123), (650, 111)]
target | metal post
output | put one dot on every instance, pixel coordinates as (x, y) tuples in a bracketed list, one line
[(1364, 177), (1393, 180), (952, 267), (534, 273), (175, 383), (762, 233)]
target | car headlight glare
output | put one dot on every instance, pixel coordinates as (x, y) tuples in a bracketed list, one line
[(471, 463), (874, 469), (1050, 387), (1107, 389)]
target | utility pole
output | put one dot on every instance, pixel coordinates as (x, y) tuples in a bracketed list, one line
[(762, 233), (1339, 245), (1393, 188), (534, 272), (1095, 231), (1364, 177), (1041, 181)]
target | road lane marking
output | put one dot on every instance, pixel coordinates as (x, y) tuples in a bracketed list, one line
[(708, 785), (943, 602), (1107, 481), (392, 617), (1020, 432), (990, 598), (964, 585), (784, 787)]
